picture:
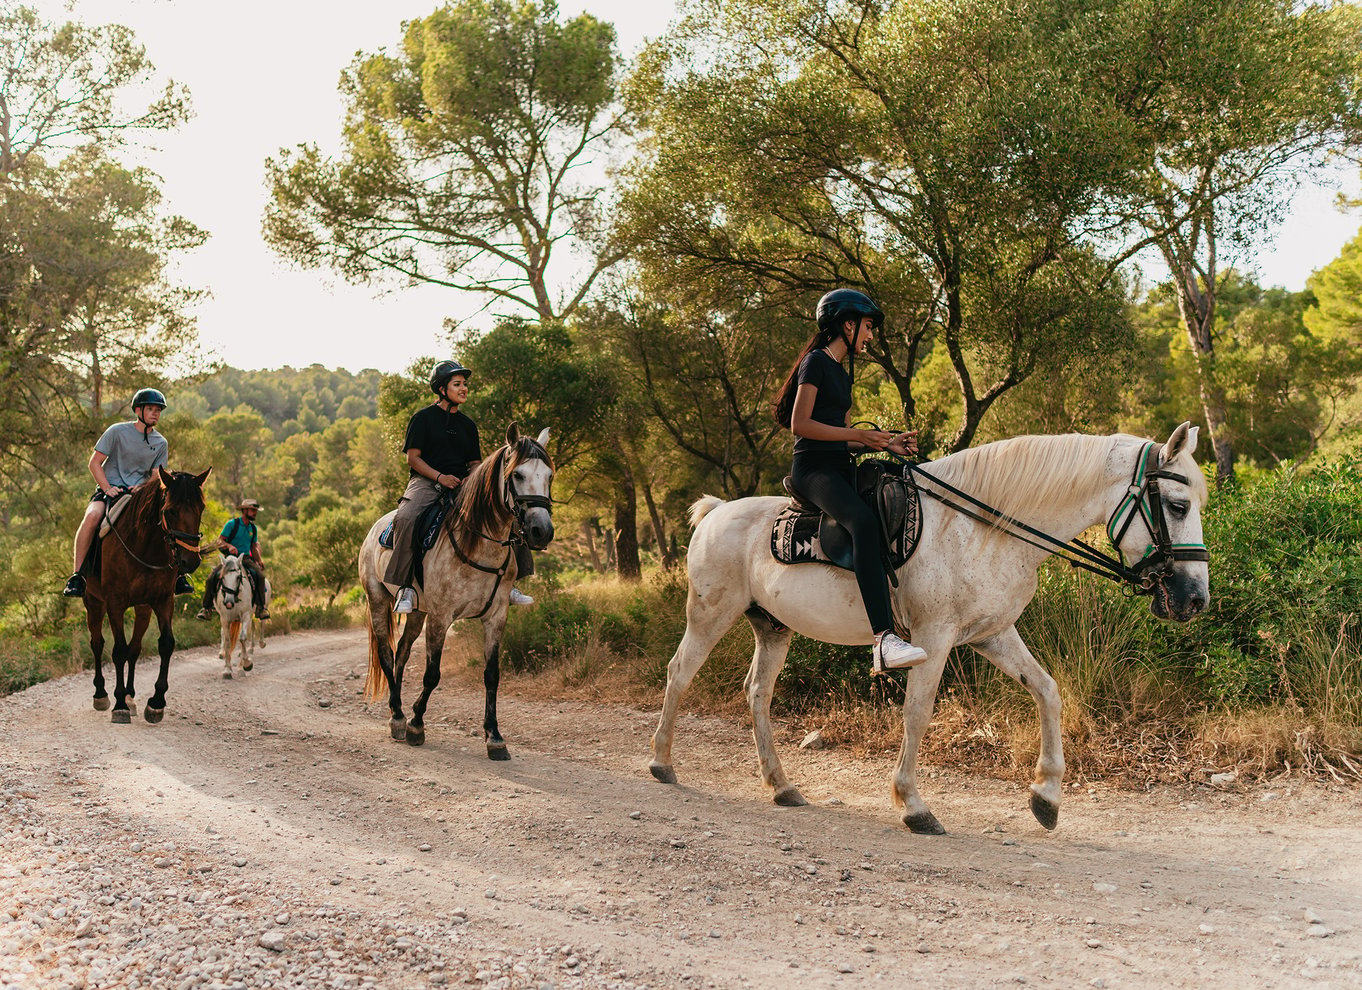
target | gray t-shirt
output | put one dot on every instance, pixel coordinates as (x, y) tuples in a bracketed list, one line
[(132, 456)]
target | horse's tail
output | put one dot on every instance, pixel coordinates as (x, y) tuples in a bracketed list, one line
[(375, 682), (701, 508)]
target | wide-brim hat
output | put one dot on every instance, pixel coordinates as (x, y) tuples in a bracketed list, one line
[(249, 503)]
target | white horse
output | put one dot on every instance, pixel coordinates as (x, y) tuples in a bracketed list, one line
[(967, 584), (468, 572), (234, 606)]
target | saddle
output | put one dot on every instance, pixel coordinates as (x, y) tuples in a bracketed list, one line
[(112, 513), (802, 534), (428, 525)]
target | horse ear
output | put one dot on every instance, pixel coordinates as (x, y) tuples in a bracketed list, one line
[(543, 438), (512, 433), (165, 477), (1183, 438), (199, 479)]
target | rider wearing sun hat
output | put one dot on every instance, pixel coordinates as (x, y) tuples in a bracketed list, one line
[(239, 537), (125, 455)]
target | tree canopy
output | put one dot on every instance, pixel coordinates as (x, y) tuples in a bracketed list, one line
[(467, 158)]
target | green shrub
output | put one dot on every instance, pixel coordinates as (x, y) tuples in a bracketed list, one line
[(318, 616)]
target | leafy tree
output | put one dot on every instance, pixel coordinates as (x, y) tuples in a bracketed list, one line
[(461, 156), (1230, 104), (329, 543), (84, 302), (931, 154)]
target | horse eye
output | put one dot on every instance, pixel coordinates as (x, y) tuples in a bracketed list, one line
[(1179, 509)]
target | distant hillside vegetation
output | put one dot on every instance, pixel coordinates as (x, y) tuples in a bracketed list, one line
[(290, 400)]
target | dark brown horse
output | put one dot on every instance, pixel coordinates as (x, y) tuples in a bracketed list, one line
[(154, 538)]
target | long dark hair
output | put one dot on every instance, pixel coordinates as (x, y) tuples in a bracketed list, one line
[(783, 406)]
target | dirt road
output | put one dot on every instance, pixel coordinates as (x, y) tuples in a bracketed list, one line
[(269, 834)]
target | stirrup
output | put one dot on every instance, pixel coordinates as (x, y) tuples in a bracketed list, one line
[(892, 652), (406, 601)]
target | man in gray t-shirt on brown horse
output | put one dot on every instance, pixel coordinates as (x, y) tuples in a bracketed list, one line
[(123, 458)]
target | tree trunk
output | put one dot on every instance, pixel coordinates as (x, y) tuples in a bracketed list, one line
[(1196, 302), (626, 526), (663, 551), (589, 534)]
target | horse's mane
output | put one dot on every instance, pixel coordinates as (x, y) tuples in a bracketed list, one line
[(1022, 475), (480, 507), (147, 499)]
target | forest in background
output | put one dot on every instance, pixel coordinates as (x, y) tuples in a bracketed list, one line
[(761, 153)]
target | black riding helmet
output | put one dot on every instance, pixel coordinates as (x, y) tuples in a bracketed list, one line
[(148, 397), (443, 372), (840, 305)]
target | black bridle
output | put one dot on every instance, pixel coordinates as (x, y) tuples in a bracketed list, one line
[(519, 505), (1142, 499)]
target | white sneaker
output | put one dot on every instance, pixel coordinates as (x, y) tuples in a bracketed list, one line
[(519, 597), (406, 601), (893, 653)]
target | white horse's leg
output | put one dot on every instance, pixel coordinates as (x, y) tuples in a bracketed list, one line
[(767, 659), (1008, 653), (708, 617), (246, 620), (225, 648), (919, 700)]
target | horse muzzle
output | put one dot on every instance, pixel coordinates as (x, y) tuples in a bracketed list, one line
[(1179, 598), (538, 532)]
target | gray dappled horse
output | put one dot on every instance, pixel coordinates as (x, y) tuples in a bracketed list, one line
[(966, 584), (468, 573)]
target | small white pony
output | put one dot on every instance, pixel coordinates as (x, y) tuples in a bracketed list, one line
[(967, 584), (234, 606)]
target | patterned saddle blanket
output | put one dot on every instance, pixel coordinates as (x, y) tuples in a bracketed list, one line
[(801, 534)]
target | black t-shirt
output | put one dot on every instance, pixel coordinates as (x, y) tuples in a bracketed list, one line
[(830, 405), (447, 440)]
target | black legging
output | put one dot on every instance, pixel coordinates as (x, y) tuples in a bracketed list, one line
[(829, 485)]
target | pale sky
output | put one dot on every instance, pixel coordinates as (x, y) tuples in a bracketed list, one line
[(262, 75)]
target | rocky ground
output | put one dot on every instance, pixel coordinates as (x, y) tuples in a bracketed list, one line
[(269, 834)]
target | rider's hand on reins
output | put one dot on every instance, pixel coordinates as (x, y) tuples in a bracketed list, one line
[(903, 444)]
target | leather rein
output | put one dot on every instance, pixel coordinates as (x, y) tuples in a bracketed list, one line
[(171, 537), (1142, 499)]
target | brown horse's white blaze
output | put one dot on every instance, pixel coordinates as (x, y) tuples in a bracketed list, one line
[(967, 584), (510, 489)]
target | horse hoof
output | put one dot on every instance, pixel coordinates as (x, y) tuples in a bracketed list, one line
[(121, 716), (498, 751), (1046, 812), (924, 824), (416, 735), (102, 704), (246, 665), (397, 728), (226, 675), (662, 772), (153, 715), (789, 797)]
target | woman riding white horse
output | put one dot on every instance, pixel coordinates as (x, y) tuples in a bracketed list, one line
[(967, 583)]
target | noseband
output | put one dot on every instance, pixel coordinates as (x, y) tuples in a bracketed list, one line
[(1144, 500)]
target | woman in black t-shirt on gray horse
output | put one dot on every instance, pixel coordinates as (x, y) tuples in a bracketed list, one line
[(815, 403), (442, 447)]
